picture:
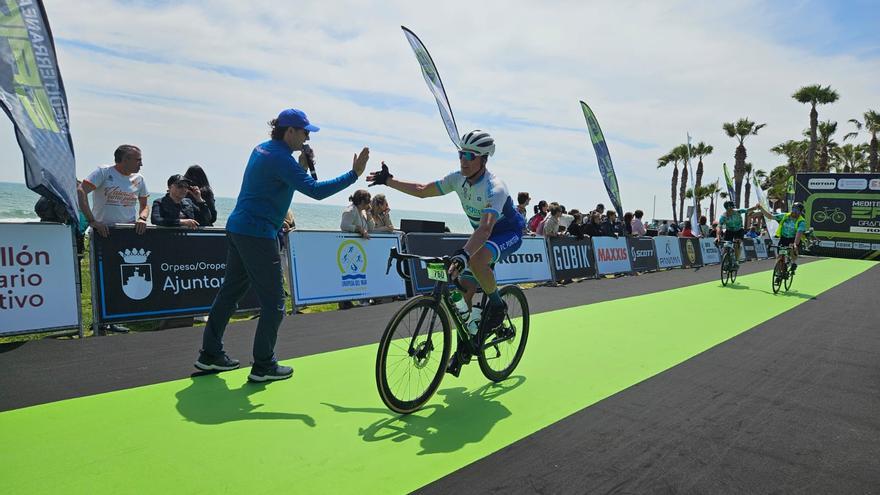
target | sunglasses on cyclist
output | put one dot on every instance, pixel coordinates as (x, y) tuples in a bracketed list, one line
[(467, 155)]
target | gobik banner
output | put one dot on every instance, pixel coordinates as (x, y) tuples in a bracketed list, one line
[(612, 255), (748, 245), (528, 264), (844, 212), (338, 266), (642, 253), (38, 273), (690, 252), (572, 258), (164, 273), (709, 251), (668, 251)]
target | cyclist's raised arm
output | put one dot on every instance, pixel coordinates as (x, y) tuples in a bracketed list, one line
[(768, 215), (384, 177)]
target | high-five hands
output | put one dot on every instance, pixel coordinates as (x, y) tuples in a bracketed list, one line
[(380, 177)]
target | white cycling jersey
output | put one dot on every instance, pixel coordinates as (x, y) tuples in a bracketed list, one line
[(488, 195)]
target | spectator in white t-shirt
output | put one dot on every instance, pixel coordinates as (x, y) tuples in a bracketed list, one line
[(638, 227), (120, 193)]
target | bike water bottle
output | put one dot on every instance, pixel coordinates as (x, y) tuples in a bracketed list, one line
[(460, 304), (474, 322)]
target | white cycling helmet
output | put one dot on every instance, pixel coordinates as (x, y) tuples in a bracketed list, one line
[(480, 142)]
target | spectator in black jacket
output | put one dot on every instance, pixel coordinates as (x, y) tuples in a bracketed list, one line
[(175, 209), (611, 227), (199, 178), (593, 228)]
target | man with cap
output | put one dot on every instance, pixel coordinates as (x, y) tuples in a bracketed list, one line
[(253, 260), (175, 209)]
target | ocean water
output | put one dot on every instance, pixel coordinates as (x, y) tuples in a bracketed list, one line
[(17, 204)]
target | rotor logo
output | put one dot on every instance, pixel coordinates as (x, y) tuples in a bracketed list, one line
[(819, 184), (352, 261), (136, 274)]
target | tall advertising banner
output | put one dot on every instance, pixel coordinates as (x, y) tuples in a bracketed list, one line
[(572, 258), (38, 274), (668, 251), (435, 85), (612, 255), (606, 169), (709, 251), (338, 266), (731, 191), (642, 253), (772, 225), (789, 192), (164, 273), (32, 95), (844, 211), (695, 212)]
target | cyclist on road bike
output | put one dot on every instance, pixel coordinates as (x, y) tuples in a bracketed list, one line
[(792, 227), (732, 223), (492, 212)]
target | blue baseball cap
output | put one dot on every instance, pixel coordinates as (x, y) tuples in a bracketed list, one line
[(296, 118)]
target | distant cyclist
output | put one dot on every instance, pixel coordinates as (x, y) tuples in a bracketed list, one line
[(792, 227), (497, 226), (731, 221)]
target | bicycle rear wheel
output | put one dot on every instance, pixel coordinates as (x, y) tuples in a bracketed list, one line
[(501, 350), (778, 275), (725, 269), (412, 355)]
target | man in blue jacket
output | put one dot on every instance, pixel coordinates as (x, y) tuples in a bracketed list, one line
[(253, 260)]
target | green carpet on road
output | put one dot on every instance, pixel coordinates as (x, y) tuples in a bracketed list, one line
[(326, 430)]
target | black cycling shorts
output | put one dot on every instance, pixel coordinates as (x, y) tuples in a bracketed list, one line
[(786, 241), (730, 235)]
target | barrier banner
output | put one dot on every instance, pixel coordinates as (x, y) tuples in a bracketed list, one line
[(164, 273), (529, 263), (844, 211), (572, 258), (331, 266), (709, 251), (612, 255), (668, 251), (38, 275), (642, 253), (748, 251), (760, 249), (690, 252)]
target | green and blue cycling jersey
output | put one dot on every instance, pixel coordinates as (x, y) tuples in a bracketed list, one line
[(788, 226), (733, 222)]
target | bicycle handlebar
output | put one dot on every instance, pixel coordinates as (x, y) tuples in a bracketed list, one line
[(394, 255)]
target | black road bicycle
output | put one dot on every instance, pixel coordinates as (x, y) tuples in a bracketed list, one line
[(416, 345), (729, 264), (783, 274)]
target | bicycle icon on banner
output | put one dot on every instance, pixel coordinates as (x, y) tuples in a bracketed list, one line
[(836, 215)]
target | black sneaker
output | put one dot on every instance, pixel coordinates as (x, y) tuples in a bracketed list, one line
[(495, 316), (116, 328), (793, 268), (222, 362), (277, 372)]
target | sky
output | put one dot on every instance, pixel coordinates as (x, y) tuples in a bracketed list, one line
[(196, 82)]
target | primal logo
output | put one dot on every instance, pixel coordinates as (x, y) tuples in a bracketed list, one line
[(136, 274), (819, 184), (351, 257)]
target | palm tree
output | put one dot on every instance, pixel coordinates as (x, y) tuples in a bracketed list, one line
[(748, 180), (851, 158), (795, 152), (814, 95), (872, 125), (664, 161), (826, 144), (700, 150), (740, 130), (681, 151), (776, 184), (713, 190)]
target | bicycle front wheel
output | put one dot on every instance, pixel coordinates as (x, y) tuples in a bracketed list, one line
[(725, 269), (778, 275), (501, 350), (788, 280), (412, 355)]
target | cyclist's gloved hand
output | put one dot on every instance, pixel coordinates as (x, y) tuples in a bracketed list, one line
[(379, 177), (460, 261)]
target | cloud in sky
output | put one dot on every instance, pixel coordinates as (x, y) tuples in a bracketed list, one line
[(195, 82)]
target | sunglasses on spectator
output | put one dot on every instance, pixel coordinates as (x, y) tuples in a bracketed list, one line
[(467, 155)]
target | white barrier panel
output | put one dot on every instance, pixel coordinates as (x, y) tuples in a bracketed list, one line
[(37, 278), (529, 263), (760, 248), (711, 254), (668, 251), (338, 266), (612, 255)]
